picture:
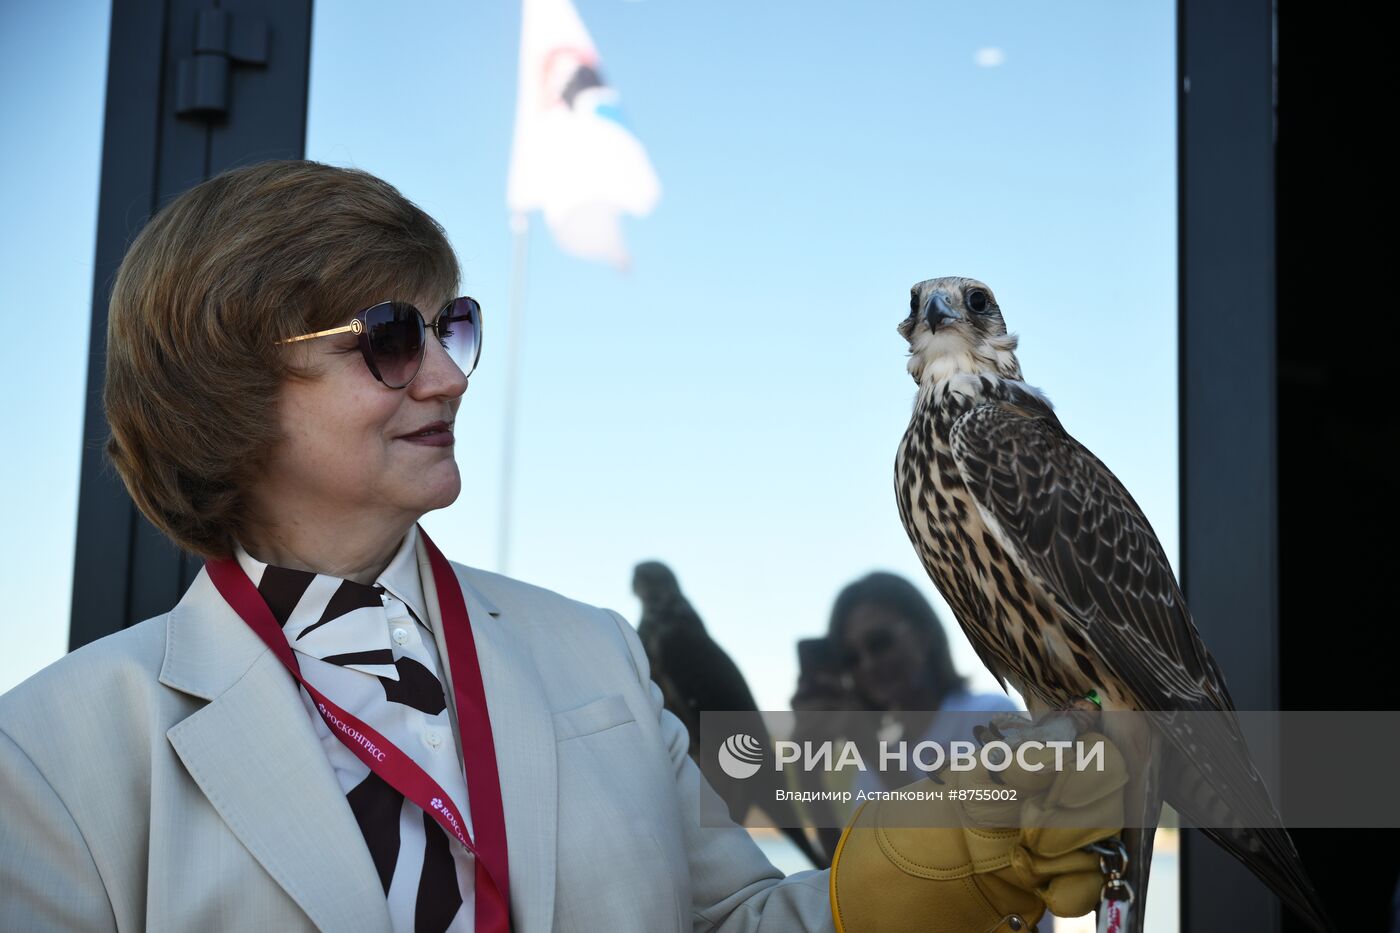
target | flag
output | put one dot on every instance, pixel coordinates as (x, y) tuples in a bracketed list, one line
[(573, 158)]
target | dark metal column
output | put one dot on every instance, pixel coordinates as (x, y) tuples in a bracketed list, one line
[(1339, 642), (193, 87), (1229, 488), (1286, 416)]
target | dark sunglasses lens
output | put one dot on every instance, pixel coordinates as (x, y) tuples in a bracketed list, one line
[(395, 332), (459, 329), (879, 642)]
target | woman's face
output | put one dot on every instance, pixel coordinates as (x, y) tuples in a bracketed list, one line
[(884, 654), (345, 447)]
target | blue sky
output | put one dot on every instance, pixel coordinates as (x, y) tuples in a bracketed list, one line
[(733, 404)]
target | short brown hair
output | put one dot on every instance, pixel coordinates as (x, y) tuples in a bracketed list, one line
[(212, 283)]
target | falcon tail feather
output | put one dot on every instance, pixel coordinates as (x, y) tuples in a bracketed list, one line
[(1266, 851)]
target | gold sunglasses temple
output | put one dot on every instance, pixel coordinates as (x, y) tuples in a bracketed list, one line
[(354, 327)]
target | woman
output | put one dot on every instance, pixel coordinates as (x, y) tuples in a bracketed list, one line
[(893, 657), (336, 727), (894, 648)]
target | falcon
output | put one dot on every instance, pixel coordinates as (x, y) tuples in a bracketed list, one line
[(695, 674), (1061, 586)]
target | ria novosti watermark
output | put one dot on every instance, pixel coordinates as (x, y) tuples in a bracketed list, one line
[(1319, 769), (741, 755)]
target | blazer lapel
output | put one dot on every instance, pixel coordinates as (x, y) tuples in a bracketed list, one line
[(522, 729), (255, 755)]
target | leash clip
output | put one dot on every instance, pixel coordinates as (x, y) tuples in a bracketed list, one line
[(1113, 862), (1116, 895)]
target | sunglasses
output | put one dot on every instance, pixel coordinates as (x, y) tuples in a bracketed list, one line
[(874, 645), (393, 336)]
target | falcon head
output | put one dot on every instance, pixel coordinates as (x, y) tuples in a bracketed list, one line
[(654, 583), (955, 326)]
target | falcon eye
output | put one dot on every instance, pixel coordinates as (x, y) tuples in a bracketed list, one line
[(977, 301), (913, 301)]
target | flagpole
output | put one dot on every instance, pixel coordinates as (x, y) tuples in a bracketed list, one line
[(520, 226)]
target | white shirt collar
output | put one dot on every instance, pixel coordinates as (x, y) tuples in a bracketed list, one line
[(402, 580), (300, 600)]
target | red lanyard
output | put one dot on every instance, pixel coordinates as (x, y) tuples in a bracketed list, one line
[(386, 759)]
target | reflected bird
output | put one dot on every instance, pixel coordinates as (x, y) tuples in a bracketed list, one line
[(696, 675)]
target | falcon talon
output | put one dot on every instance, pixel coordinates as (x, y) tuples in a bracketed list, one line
[(1089, 703), (1011, 728)]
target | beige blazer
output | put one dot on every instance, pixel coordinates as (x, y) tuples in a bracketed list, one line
[(167, 777)]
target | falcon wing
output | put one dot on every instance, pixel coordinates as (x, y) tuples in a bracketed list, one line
[(1073, 527)]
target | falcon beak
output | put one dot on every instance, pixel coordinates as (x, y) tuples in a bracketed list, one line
[(939, 312)]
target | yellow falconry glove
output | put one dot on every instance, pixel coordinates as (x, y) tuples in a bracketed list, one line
[(980, 862)]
